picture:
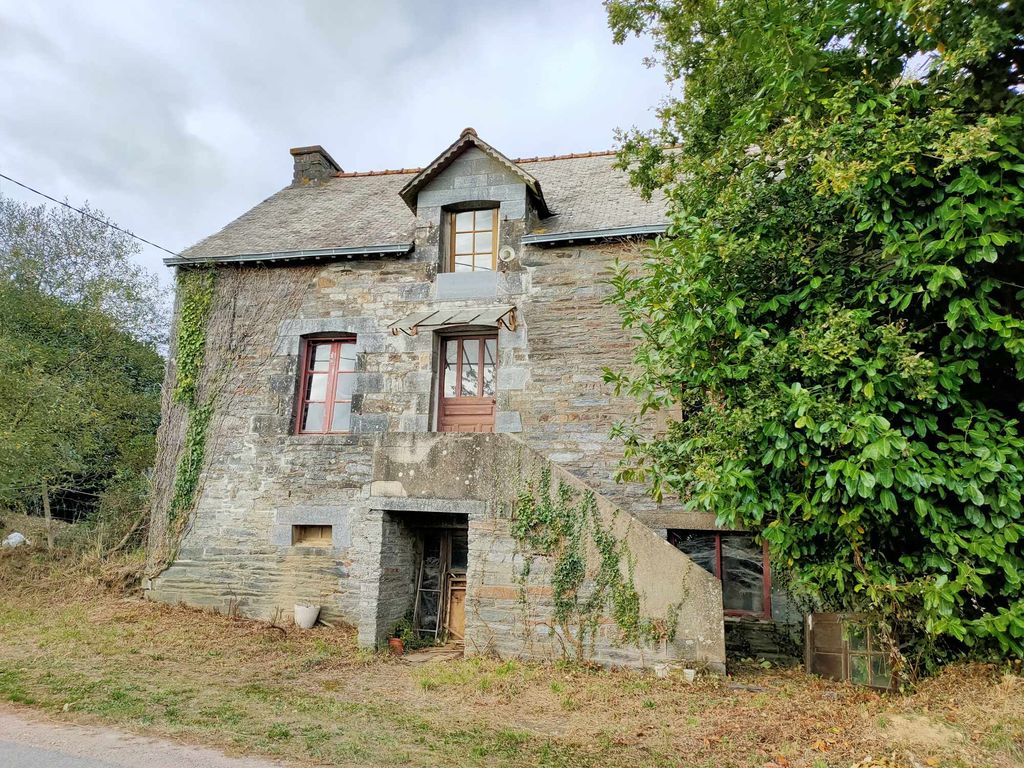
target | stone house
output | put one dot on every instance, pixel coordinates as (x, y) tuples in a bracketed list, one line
[(390, 360)]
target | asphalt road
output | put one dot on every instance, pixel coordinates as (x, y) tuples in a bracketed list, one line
[(29, 741)]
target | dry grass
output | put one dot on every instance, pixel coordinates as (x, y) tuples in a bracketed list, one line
[(71, 646)]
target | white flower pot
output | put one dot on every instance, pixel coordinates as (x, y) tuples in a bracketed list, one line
[(306, 615), (689, 675)]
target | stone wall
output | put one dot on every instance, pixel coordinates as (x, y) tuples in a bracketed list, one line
[(261, 478), (507, 615)]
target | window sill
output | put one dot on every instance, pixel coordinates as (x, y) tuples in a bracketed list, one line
[(466, 285), (329, 438), (740, 616)]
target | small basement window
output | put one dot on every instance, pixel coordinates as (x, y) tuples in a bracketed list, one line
[(867, 659), (847, 647), (740, 563), (312, 535)]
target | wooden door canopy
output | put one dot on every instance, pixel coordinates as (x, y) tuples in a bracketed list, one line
[(437, 320)]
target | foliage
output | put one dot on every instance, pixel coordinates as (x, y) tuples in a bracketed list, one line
[(834, 321), (79, 400), (80, 325), (190, 463), (411, 639), (196, 292), (196, 296), (566, 527), (80, 260)]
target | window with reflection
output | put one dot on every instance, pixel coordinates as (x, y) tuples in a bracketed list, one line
[(325, 391), (470, 366), (474, 241), (738, 561)]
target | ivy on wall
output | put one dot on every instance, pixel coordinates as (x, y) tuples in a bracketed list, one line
[(197, 291), (190, 463), (197, 287), (592, 570)]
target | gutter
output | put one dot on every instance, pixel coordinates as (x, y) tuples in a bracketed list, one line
[(590, 235), (322, 253)]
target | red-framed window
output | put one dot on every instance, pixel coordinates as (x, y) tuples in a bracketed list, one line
[(325, 387), (738, 561), (470, 366)]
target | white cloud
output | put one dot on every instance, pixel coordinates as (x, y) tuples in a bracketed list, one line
[(176, 117)]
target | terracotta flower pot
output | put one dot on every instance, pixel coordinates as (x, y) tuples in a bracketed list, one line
[(396, 646)]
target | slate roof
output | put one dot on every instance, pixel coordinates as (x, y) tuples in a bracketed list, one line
[(354, 210)]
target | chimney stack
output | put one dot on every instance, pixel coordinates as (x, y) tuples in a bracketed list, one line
[(312, 165)]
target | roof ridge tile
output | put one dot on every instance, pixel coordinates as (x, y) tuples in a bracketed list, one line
[(384, 172), (534, 159)]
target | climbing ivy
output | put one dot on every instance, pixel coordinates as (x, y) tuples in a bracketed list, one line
[(196, 288), (190, 463), (566, 527)]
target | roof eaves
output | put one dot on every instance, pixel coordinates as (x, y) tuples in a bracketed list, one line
[(591, 235), (399, 249)]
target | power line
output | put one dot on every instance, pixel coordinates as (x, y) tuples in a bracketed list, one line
[(88, 215)]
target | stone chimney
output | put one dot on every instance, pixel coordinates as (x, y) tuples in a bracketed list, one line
[(312, 165)]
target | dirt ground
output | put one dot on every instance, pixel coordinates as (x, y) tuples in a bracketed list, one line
[(73, 647)]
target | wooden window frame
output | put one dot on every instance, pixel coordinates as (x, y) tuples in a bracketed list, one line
[(868, 653), (829, 649), (333, 370), (453, 231), (482, 339), (766, 572)]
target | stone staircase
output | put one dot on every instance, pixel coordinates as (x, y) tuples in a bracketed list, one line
[(480, 476)]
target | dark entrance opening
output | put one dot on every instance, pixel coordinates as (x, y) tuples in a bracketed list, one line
[(440, 608), (424, 559)]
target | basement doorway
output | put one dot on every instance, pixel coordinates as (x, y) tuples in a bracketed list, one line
[(424, 562), (439, 611)]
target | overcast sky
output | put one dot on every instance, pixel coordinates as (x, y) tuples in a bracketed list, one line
[(176, 117)]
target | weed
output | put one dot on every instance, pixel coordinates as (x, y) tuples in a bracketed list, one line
[(279, 732)]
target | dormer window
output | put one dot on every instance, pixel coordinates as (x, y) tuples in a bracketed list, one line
[(473, 241)]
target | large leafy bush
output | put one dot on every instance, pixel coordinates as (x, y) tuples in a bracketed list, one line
[(834, 322)]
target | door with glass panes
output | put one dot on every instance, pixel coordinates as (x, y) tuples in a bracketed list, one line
[(469, 379)]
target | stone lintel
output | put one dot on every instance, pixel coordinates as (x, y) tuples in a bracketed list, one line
[(447, 506)]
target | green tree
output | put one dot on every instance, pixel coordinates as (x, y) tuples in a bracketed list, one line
[(82, 261), (79, 370), (834, 322)]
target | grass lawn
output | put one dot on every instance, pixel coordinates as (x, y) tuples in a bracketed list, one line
[(76, 649)]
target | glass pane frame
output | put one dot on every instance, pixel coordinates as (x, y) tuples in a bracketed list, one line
[(482, 352), (866, 661), (681, 539), (473, 240), (332, 361)]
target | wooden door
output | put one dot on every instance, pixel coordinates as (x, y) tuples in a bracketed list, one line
[(469, 379), (457, 607)]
